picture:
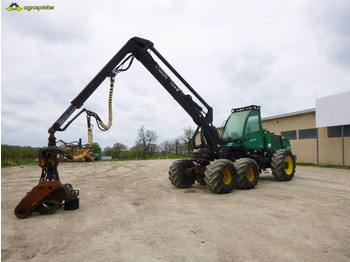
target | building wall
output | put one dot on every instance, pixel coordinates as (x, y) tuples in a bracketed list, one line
[(330, 149)]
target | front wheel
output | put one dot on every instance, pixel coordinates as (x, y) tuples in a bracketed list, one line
[(220, 176), (283, 165), (177, 174)]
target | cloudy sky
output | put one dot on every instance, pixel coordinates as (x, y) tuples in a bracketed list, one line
[(281, 55)]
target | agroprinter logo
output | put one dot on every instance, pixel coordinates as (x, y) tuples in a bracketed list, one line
[(15, 7)]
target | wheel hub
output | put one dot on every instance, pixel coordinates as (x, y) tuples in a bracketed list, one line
[(288, 165), (227, 176), (250, 174)]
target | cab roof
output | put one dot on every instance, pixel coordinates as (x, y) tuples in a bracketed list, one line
[(246, 108)]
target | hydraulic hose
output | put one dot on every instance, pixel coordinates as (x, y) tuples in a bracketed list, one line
[(87, 150), (110, 113), (100, 122)]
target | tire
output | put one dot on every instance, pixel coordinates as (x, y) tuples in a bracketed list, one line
[(220, 176), (283, 165), (247, 173), (176, 174), (72, 204)]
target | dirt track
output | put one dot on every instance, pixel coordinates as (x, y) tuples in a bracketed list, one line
[(129, 211)]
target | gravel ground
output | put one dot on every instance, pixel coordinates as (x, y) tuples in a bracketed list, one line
[(129, 211)]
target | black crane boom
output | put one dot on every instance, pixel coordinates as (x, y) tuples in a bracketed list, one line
[(140, 49)]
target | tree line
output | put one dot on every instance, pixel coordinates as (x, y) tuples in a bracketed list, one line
[(145, 147), (18, 153)]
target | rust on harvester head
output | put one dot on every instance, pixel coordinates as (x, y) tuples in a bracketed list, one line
[(46, 198), (50, 194)]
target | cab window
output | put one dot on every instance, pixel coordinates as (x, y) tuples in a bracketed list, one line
[(252, 126)]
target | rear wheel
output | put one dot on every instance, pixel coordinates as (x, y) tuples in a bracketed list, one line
[(220, 176), (247, 173), (177, 174), (283, 165)]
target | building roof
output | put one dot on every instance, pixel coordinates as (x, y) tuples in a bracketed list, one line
[(296, 113)]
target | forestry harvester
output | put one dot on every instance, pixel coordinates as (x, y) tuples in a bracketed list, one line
[(233, 159)]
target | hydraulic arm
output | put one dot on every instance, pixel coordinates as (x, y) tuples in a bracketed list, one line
[(139, 48), (49, 194)]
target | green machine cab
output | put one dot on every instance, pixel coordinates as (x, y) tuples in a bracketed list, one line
[(243, 130)]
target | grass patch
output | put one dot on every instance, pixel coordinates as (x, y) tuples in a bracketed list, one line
[(5, 165), (171, 156), (324, 166)]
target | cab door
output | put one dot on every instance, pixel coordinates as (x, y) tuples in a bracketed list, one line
[(253, 133)]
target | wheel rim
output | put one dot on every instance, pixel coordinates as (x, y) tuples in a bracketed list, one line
[(251, 174), (228, 174), (288, 165)]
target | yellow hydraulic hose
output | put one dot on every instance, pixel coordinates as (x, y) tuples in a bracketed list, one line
[(86, 151), (110, 115), (103, 125)]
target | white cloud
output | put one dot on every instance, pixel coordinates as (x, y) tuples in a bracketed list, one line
[(281, 55)]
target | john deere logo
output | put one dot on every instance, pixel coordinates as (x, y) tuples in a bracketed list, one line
[(14, 7)]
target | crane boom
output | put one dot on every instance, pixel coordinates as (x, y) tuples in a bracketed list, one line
[(140, 49)]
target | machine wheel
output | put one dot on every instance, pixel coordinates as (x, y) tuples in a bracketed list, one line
[(247, 173), (220, 176), (283, 165), (177, 174), (73, 204)]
